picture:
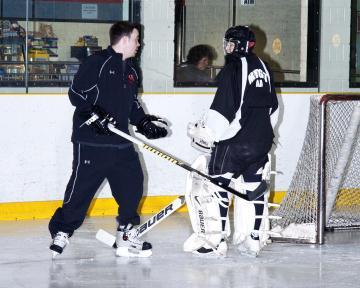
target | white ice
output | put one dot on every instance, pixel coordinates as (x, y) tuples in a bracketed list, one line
[(26, 261)]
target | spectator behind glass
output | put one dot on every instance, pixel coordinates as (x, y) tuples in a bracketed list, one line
[(196, 67)]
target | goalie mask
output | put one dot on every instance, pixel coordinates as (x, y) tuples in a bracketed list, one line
[(239, 40)]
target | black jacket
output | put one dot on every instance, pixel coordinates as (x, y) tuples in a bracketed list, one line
[(244, 101), (104, 79)]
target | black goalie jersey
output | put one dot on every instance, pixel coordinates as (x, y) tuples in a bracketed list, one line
[(244, 102)]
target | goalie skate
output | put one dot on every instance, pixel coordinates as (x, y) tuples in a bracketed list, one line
[(250, 246), (208, 250)]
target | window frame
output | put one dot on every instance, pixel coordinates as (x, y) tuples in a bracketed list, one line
[(313, 50), (134, 16), (134, 13), (353, 31)]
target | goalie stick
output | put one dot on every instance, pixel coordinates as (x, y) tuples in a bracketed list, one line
[(253, 196), (260, 190), (109, 239)]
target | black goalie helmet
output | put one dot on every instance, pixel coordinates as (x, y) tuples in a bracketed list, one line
[(239, 39)]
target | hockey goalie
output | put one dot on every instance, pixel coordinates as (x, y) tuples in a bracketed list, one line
[(236, 133)]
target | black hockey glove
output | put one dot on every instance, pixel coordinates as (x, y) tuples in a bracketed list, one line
[(152, 127), (98, 119)]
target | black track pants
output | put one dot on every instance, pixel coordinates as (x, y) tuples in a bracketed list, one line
[(91, 165)]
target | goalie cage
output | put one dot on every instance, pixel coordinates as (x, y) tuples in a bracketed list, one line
[(325, 189)]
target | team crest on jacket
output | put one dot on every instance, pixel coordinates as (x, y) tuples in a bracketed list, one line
[(131, 79)]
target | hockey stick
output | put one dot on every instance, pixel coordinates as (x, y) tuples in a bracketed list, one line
[(260, 190), (109, 239), (253, 196)]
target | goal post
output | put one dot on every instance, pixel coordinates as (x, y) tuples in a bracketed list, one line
[(324, 192)]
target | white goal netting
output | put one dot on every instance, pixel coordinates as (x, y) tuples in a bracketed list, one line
[(325, 188)]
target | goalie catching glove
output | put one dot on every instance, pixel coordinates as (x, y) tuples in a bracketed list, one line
[(152, 127), (201, 136)]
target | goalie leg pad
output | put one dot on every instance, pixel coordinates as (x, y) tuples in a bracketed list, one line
[(251, 218), (244, 218), (208, 213)]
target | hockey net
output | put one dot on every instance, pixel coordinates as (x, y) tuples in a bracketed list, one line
[(325, 188)]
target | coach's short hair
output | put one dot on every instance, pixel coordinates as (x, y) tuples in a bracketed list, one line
[(121, 29)]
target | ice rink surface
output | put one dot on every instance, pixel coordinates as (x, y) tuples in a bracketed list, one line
[(26, 261)]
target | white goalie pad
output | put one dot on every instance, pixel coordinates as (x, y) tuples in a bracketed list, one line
[(245, 215), (201, 136), (244, 219), (203, 202)]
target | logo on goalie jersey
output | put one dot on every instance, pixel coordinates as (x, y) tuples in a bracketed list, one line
[(258, 75)]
